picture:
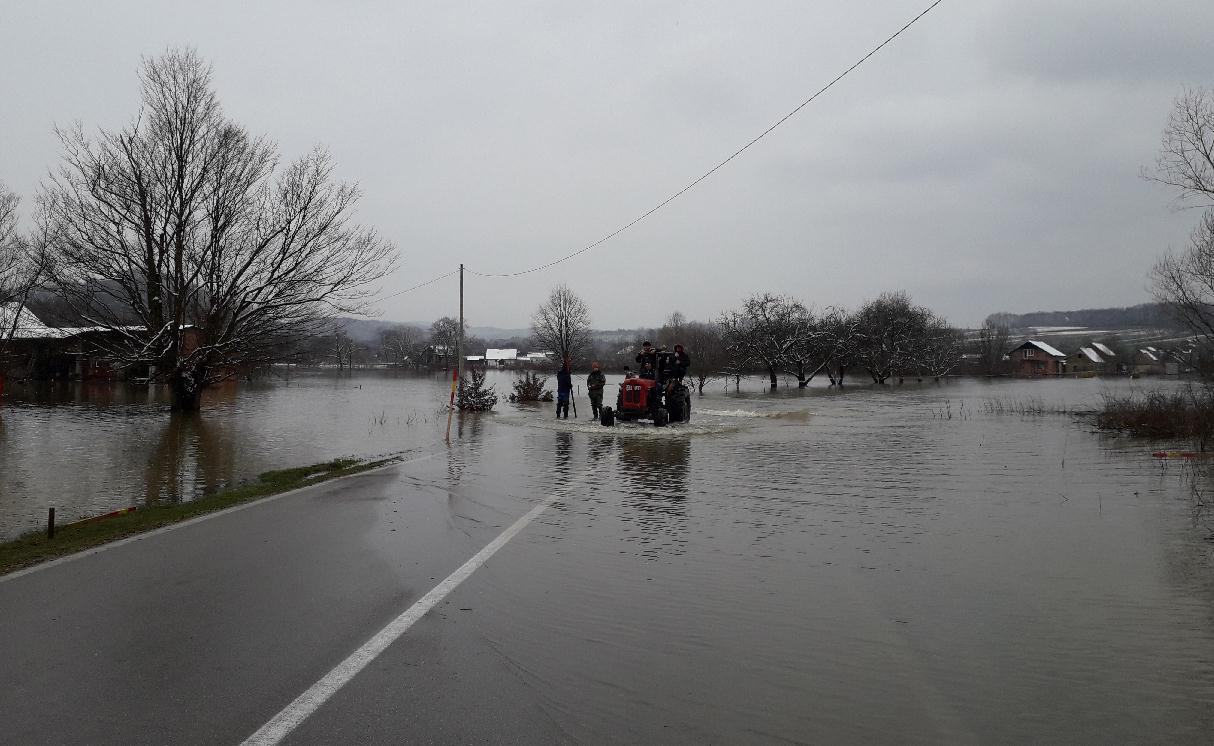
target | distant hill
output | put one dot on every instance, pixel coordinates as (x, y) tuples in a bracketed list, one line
[(1146, 315)]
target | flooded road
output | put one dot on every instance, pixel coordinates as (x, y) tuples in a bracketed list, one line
[(902, 564)]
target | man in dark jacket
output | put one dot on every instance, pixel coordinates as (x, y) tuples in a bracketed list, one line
[(679, 362), (594, 386), (564, 388)]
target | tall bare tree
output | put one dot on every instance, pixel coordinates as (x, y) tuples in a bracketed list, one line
[(562, 323), (181, 235), (1185, 280)]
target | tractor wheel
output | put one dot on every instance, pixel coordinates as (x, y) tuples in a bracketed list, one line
[(661, 417), (607, 417), (674, 409)]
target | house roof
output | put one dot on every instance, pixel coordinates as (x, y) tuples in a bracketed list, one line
[(29, 326), (1047, 349), (1103, 350), (1090, 354), (1150, 353), (502, 354)]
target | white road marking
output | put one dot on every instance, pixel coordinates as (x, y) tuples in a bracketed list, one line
[(208, 516), (292, 715)]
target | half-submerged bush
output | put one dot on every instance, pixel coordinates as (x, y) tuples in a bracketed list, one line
[(530, 387), (473, 395), (1186, 413)]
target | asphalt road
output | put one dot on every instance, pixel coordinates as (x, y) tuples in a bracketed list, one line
[(203, 633)]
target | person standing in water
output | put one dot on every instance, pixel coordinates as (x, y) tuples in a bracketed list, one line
[(594, 387), (564, 388)]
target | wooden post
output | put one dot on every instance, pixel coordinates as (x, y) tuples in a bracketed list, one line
[(50, 524)]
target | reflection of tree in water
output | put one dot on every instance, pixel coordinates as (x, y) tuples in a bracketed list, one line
[(653, 472), (191, 457)]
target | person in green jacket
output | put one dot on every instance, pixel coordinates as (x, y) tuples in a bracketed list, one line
[(594, 386)]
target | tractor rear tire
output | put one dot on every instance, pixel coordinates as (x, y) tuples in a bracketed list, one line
[(607, 417), (661, 418)]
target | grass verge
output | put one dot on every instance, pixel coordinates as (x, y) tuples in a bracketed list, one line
[(33, 548)]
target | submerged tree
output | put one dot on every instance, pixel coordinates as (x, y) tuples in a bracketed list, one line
[(562, 324), (180, 234), (765, 332)]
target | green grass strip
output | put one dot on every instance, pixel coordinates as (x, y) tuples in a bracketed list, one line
[(34, 547)]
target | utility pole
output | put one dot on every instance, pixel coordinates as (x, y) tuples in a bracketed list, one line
[(457, 371)]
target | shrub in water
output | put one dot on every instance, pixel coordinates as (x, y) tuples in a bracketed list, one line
[(530, 387), (473, 395)]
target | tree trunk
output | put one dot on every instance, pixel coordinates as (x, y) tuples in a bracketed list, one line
[(186, 394), (771, 373)]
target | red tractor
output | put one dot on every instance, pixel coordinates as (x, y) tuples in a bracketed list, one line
[(647, 399)]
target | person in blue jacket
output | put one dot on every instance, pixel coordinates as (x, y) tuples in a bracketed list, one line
[(564, 388)]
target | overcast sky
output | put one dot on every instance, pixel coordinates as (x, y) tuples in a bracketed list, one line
[(986, 161)]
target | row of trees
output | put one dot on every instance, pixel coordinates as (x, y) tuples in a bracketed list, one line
[(887, 337), (776, 335)]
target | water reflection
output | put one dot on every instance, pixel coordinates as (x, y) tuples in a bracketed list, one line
[(191, 456), (563, 453), (653, 473)]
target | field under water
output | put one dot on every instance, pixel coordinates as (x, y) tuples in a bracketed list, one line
[(963, 561)]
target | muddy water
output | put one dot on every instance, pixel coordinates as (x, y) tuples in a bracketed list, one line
[(908, 563)]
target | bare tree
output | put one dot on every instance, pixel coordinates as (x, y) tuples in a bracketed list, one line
[(991, 345), (1185, 281), (705, 342), (399, 344), (24, 266), (764, 332), (562, 323), (838, 337), (444, 338), (939, 352), (888, 330), (1186, 156), (181, 236)]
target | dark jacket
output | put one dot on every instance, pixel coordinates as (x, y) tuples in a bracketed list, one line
[(651, 358), (564, 381), (679, 364), (595, 381)]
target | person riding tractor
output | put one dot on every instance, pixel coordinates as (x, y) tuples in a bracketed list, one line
[(658, 393)]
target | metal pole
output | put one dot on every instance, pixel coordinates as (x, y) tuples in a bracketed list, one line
[(458, 369), (460, 345), (50, 524)]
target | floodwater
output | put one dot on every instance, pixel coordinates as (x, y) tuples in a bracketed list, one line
[(957, 562)]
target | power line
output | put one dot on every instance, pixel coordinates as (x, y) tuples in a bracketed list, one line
[(419, 285), (717, 167), (694, 183)]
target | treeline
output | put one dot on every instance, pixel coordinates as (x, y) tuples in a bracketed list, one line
[(889, 337), (1152, 315)]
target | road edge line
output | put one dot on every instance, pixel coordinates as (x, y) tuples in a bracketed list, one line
[(197, 519)]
